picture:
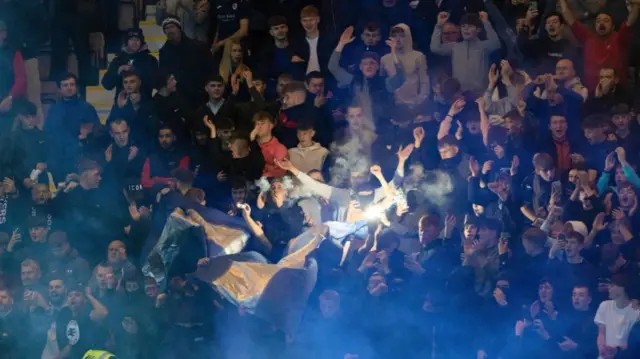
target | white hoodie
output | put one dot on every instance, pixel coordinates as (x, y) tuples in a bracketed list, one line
[(309, 158)]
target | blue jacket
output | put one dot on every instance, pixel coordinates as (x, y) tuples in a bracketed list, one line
[(63, 127)]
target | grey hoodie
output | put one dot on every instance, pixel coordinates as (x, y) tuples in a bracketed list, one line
[(415, 89), (469, 59)]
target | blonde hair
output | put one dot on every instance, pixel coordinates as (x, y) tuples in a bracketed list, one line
[(226, 64)]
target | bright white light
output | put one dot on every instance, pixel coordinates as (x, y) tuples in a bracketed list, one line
[(373, 212)]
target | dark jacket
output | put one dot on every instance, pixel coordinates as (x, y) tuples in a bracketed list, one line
[(301, 48), (142, 63), (249, 167), (63, 127), (33, 145), (174, 111), (141, 120), (120, 171), (272, 67), (545, 53), (158, 166), (191, 63)]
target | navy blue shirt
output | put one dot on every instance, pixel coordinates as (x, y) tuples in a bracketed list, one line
[(228, 14)]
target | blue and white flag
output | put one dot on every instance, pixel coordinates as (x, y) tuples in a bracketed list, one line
[(184, 231), (277, 293)]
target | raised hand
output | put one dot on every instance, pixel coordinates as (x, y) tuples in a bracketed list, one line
[(610, 162), (235, 83), (618, 214), (212, 128), (486, 167), (474, 166), (493, 76), (391, 42), (443, 17), (484, 17), (133, 152), (376, 170), (418, 136), (9, 185), (599, 224), (347, 36), (515, 164), (622, 155), (550, 83), (457, 106), (404, 153)]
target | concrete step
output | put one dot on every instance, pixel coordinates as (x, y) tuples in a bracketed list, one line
[(151, 30), (100, 98), (156, 44)]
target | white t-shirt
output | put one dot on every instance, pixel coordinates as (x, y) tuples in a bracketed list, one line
[(314, 63), (617, 321)]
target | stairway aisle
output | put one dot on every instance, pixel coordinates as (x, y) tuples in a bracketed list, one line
[(102, 99)]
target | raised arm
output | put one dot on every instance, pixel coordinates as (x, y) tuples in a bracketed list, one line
[(484, 122), (256, 229), (335, 195), (343, 76), (566, 12), (445, 125), (493, 42), (436, 38)]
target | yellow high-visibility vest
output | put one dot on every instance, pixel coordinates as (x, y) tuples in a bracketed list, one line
[(98, 354)]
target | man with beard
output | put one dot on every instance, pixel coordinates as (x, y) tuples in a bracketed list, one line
[(603, 46), (135, 56), (546, 50), (158, 166)]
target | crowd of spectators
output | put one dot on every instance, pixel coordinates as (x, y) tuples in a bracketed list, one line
[(498, 140)]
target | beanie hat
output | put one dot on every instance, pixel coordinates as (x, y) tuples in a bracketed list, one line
[(135, 32), (171, 20)]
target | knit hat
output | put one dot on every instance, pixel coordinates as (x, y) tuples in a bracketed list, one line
[(135, 32), (171, 20)]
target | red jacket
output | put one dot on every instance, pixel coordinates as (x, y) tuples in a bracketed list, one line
[(599, 52)]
